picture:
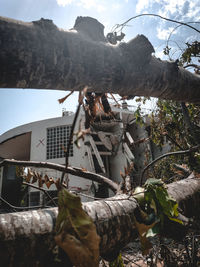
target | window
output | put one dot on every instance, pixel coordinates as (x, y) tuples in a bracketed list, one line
[(34, 199), (57, 140), (10, 172)]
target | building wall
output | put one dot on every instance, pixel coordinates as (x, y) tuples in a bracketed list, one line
[(38, 148)]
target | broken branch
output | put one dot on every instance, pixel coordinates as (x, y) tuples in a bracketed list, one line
[(71, 170)]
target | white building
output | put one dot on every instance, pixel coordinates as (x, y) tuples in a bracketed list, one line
[(103, 151)]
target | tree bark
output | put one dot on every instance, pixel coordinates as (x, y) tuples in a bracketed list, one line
[(39, 55), (26, 238)]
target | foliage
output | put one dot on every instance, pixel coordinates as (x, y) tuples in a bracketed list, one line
[(76, 232), (171, 124), (118, 262), (156, 206), (177, 123), (138, 116), (192, 50), (33, 177)]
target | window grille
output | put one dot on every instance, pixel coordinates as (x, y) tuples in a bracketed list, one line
[(57, 140), (34, 199)]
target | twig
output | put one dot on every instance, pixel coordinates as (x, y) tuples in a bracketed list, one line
[(186, 116), (21, 208), (172, 140), (155, 15), (189, 22), (192, 65), (70, 141), (71, 170), (187, 252), (42, 189), (192, 149), (190, 126), (84, 195), (131, 260), (182, 169)]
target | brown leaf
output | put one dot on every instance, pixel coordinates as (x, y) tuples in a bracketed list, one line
[(82, 94), (40, 183), (49, 182), (142, 231), (61, 100), (35, 177), (28, 176), (58, 184), (76, 232)]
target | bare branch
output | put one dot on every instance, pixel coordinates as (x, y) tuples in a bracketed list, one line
[(70, 141), (15, 208), (192, 65), (156, 15), (192, 149), (71, 170)]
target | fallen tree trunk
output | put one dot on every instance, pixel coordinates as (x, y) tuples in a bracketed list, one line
[(39, 55), (26, 238)]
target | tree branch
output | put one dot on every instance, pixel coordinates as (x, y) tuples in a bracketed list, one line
[(70, 141), (39, 55), (192, 65), (161, 17), (192, 149), (71, 170), (32, 231)]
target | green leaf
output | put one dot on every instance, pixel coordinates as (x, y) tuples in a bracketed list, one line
[(76, 232), (176, 220), (153, 181), (118, 262), (169, 205)]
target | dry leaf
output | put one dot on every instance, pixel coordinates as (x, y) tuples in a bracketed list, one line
[(40, 182), (61, 100), (28, 176), (35, 177), (76, 232), (82, 94), (58, 184), (142, 231)]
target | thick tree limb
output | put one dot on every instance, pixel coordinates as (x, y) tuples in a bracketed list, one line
[(27, 237), (71, 170), (39, 55)]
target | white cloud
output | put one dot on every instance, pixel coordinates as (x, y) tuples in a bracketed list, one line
[(142, 4), (64, 2), (168, 8), (86, 4), (116, 6), (163, 34), (180, 10)]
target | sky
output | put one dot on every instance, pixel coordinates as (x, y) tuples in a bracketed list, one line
[(20, 106)]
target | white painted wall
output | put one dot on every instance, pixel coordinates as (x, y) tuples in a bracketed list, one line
[(38, 131)]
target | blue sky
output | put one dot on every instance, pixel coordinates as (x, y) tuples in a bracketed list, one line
[(24, 105)]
